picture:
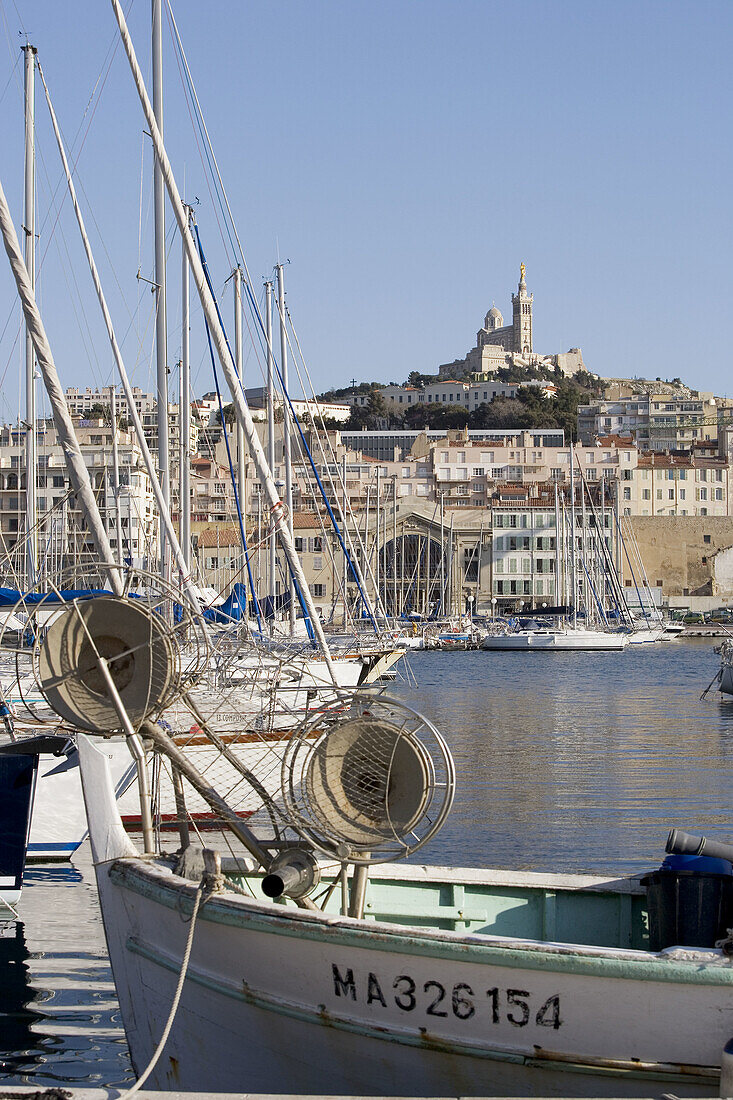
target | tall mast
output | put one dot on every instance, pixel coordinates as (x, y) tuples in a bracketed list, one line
[(345, 578), (116, 473), (287, 457), (208, 305), (442, 558), (574, 576), (161, 322), (184, 415), (558, 597), (241, 463), (272, 548), (29, 255), (78, 472), (394, 547), (377, 526), (127, 388)]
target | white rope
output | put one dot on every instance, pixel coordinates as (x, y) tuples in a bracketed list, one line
[(176, 1000)]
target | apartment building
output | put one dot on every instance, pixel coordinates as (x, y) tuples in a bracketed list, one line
[(63, 538), (656, 421)]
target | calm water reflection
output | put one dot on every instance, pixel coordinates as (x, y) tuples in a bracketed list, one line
[(576, 762), (579, 761)]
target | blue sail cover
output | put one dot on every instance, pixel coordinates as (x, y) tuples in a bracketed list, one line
[(232, 610), (9, 597)]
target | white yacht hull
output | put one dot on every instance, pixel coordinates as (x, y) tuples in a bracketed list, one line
[(555, 640)]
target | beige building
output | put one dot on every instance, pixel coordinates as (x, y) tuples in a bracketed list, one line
[(63, 540)]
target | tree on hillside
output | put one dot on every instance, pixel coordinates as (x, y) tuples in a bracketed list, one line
[(368, 417), (415, 378), (435, 416)]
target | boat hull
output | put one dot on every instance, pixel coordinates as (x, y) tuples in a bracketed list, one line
[(287, 1001), (555, 641)]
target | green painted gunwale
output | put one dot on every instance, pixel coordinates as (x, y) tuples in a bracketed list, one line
[(158, 884)]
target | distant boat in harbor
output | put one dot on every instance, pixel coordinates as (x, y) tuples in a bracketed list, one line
[(536, 635)]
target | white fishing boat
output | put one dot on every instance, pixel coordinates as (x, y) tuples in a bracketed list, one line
[(450, 980)]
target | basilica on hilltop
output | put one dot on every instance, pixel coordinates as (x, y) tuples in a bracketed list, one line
[(499, 345)]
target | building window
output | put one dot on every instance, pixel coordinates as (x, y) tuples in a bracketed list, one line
[(319, 591), (298, 540), (646, 493)]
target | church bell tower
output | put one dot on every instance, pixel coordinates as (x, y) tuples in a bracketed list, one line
[(522, 316)]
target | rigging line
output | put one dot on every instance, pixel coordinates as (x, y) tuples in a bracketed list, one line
[(226, 438), (7, 84), (74, 160), (296, 421), (140, 204), (306, 617), (204, 128), (215, 199), (321, 436)]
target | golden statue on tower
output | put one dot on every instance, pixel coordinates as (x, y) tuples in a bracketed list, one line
[(522, 269)]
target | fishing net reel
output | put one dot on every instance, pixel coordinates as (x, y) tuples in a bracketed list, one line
[(368, 784), (152, 642)]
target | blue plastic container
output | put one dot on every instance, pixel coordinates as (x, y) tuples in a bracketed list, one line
[(703, 865)]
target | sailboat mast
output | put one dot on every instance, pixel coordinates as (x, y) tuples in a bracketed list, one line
[(184, 380), (222, 350), (573, 573), (161, 320), (116, 473), (558, 598), (272, 549), (287, 457), (241, 464), (377, 528), (29, 253), (78, 472)]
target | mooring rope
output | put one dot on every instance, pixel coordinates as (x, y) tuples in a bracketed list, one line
[(207, 885)]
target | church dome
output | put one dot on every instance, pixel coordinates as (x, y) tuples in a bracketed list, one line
[(493, 319)]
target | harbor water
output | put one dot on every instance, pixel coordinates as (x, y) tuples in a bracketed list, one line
[(565, 762)]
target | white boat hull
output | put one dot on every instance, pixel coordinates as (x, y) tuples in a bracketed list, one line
[(555, 640), (288, 1001), (59, 823)]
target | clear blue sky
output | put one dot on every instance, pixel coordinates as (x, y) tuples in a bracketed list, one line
[(405, 156)]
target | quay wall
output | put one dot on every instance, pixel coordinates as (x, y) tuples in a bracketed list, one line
[(689, 557)]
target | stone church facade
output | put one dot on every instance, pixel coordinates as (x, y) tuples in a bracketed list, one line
[(499, 345)]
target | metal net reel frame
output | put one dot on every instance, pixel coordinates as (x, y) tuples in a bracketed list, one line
[(175, 628), (367, 810)]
